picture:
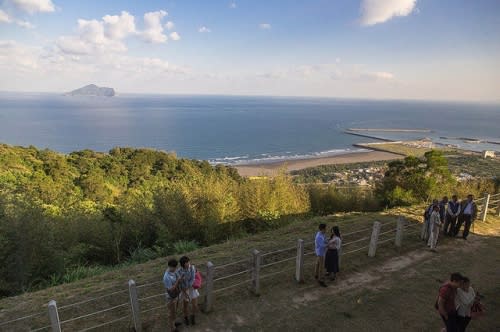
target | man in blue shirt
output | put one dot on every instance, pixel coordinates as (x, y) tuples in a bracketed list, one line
[(320, 244)]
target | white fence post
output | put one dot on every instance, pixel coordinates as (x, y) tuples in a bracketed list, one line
[(399, 231), (299, 263), (485, 206), (255, 272), (136, 313), (54, 317), (373, 241), (209, 288)]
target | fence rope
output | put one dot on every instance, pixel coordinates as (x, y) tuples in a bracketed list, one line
[(22, 318), (92, 299), (246, 260), (278, 262), (151, 297), (104, 324), (228, 287), (278, 251), (350, 252), (94, 313), (278, 272), (41, 328), (152, 309), (362, 239), (232, 275), (149, 284)]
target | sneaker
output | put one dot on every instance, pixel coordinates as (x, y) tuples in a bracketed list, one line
[(193, 322), (186, 320)]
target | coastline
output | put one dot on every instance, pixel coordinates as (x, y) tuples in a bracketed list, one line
[(270, 169)]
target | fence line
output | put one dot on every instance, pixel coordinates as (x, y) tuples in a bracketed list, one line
[(247, 281)]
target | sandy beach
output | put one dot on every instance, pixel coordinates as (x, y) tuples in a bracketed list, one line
[(292, 165)]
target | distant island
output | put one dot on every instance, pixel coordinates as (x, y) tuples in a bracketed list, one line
[(92, 90)]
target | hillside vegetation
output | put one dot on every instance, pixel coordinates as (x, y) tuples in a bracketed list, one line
[(65, 216)]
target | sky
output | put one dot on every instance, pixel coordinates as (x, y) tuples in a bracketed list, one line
[(383, 49)]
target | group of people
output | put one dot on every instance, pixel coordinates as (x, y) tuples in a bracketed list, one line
[(180, 285), (458, 303), (327, 250), (450, 214)]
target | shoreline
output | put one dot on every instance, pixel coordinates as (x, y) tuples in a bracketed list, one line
[(269, 169)]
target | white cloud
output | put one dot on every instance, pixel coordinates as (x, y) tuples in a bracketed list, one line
[(17, 56), (175, 36), (379, 11), (169, 25), (232, 5), (25, 24), (204, 29), (4, 17), (119, 27), (377, 76), (153, 32), (265, 26), (33, 6)]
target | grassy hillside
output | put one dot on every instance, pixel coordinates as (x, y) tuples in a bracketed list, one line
[(393, 291)]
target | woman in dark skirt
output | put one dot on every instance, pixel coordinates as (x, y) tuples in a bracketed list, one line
[(332, 254)]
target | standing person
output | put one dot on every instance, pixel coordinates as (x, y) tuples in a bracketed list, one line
[(468, 211), (427, 217), (464, 301), (435, 224), (452, 213), (333, 253), (446, 302), (188, 293), (320, 251), (171, 282)]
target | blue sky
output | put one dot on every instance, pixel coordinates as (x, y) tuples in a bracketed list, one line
[(404, 49)]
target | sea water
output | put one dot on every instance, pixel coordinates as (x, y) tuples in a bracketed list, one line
[(235, 129)]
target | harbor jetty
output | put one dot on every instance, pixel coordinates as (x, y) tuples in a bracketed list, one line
[(391, 130)]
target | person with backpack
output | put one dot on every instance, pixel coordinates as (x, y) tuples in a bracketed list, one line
[(333, 253), (464, 301), (434, 224), (171, 281), (445, 303), (452, 213), (320, 251), (188, 293)]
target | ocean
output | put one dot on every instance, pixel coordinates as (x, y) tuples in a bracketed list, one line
[(235, 129)]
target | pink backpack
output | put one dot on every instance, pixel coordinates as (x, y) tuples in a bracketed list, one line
[(197, 280)]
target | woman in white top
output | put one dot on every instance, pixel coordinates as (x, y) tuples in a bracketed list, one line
[(333, 252), (435, 224), (464, 301)]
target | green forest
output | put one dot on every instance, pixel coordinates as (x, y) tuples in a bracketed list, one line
[(67, 216)]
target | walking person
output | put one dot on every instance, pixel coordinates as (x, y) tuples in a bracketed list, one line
[(468, 211), (464, 301), (333, 253), (435, 225), (443, 206), (188, 295), (427, 216), (171, 282), (320, 244), (452, 213), (446, 302)]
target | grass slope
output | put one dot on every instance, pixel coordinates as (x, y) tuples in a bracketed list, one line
[(391, 292)]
